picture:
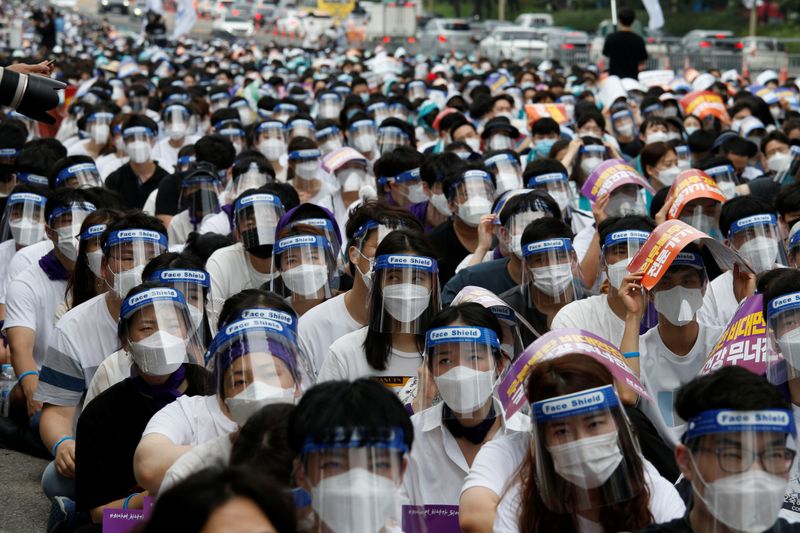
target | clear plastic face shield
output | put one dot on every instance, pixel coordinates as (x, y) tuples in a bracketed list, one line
[(591, 155), (757, 239), (391, 137), (235, 135), (200, 195), (684, 157), (354, 477), (306, 264), (551, 273), (193, 285), (408, 185), (159, 331), (362, 135), (623, 124), (23, 219), (792, 172), (256, 362), (176, 122), (472, 196), (399, 111), (618, 250), (219, 100), (329, 106), (556, 184), (463, 362), (306, 165), (783, 338), (66, 223), (516, 224), (98, 126), (702, 214), (499, 141), (325, 225), (255, 218), (138, 143), (79, 176), (253, 177), (586, 456), (301, 128), (184, 162), (408, 287), (379, 111), (329, 139), (678, 295), (246, 115), (271, 139), (740, 463), (726, 179), (284, 112), (90, 240), (8, 157), (416, 90), (625, 200), (352, 175), (507, 172), (126, 252)]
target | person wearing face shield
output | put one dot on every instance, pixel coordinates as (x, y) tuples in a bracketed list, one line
[(329, 136), (499, 134), (503, 271), (462, 362), (218, 98), (97, 125), (199, 200), (581, 466), (312, 183), (672, 353), (270, 140), (723, 173), (550, 176), (623, 126), (300, 126), (12, 139), (393, 133), (329, 105), (234, 132), (75, 172), (141, 175), (351, 441), (362, 135), (506, 169), (166, 365), (248, 263), (659, 164), (605, 314), (737, 453), (469, 190), (404, 295), (76, 351), (179, 129), (776, 148), (351, 171), (544, 133), (400, 181), (303, 264)]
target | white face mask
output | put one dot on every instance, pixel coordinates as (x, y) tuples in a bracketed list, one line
[(515, 245), (617, 271), (364, 143), (464, 389), (138, 151), (474, 143), (356, 500), (691, 129), (625, 130), (678, 304), (552, 280), (119, 144), (589, 462), (589, 163), (405, 302), (727, 188), (749, 501), (160, 354), (196, 314), (656, 137), (439, 202), (499, 142), (779, 161), (271, 148), (255, 396), (176, 131), (761, 252), (26, 231), (100, 133), (307, 170), (471, 211), (95, 261), (127, 279), (789, 344), (67, 242), (668, 175), (306, 279), (416, 193)]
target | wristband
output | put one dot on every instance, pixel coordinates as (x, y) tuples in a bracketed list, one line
[(128, 499), (26, 374), (57, 444), (630, 355)]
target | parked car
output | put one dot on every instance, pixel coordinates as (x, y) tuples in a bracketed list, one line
[(534, 20), (565, 44), (762, 53), (514, 43), (104, 6), (707, 49), (235, 25), (441, 36)]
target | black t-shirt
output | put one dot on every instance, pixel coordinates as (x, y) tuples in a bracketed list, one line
[(625, 51), (653, 446), (491, 275), (126, 183), (682, 525), (519, 303), (169, 192), (109, 429), (450, 252)]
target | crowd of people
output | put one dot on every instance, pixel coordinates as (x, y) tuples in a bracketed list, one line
[(258, 289)]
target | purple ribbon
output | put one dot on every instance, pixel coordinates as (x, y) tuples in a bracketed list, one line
[(51, 266), (165, 393)]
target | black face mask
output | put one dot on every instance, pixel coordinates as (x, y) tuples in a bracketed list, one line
[(200, 203), (251, 244), (6, 171)]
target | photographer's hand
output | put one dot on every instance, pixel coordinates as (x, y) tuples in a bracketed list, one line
[(45, 68)]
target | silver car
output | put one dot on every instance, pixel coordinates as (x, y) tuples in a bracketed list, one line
[(514, 43), (442, 36)]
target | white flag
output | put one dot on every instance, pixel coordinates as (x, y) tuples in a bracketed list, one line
[(155, 6), (185, 18), (654, 13)]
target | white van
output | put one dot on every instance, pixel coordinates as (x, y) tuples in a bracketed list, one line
[(534, 20)]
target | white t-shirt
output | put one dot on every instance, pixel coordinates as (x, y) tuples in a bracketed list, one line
[(719, 303), (107, 164), (114, 368), (79, 148), (7, 250), (319, 327), (329, 198), (231, 272), (24, 258), (665, 504), (663, 373), (347, 361), (592, 314), (191, 420), (216, 223), (582, 241), (214, 453), (31, 303), (167, 155), (180, 227), (436, 465), (497, 462)]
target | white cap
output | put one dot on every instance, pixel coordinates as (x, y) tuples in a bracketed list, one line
[(703, 82), (766, 76)]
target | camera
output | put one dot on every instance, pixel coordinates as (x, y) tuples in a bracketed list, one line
[(30, 94)]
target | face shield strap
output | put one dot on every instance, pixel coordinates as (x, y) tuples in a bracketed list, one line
[(305, 155), (33, 179), (569, 405), (149, 297), (195, 277), (283, 317), (254, 199), (74, 171), (390, 438), (86, 207), (751, 221), (596, 150), (624, 237), (134, 235), (717, 421), (26, 198), (785, 303), (361, 124), (270, 126), (322, 223), (327, 132), (9, 152), (102, 117), (233, 343), (544, 179), (403, 177), (231, 132), (501, 158), (459, 334), (93, 232), (547, 246), (301, 124), (137, 130), (405, 261), (301, 241)]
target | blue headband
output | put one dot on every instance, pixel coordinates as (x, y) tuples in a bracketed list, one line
[(305, 155), (182, 275), (549, 245), (258, 198), (93, 231), (586, 401), (408, 175), (625, 236), (417, 262), (353, 438), (452, 334), (764, 219), (728, 420), (551, 177), (131, 235), (149, 297), (301, 241), (73, 170), (783, 303)]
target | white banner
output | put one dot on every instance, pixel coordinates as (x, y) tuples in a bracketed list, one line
[(654, 13), (185, 17)]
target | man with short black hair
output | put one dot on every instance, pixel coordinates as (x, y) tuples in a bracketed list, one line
[(624, 49)]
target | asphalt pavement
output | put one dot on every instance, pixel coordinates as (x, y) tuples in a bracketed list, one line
[(23, 506)]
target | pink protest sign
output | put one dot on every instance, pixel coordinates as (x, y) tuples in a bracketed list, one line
[(511, 391), (744, 342), (609, 175)]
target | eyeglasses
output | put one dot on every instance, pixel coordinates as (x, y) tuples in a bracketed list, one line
[(738, 460)]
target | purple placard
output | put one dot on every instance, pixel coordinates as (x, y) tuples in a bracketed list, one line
[(148, 504), (609, 175), (511, 391), (744, 342), (430, 519), (121, 520)]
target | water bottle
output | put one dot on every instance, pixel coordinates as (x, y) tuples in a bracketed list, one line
[(7, 382)]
